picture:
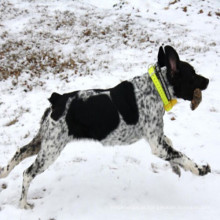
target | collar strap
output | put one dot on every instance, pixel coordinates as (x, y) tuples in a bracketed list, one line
[(168, 104)]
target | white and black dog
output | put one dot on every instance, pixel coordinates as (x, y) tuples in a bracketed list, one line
[(118, 116)]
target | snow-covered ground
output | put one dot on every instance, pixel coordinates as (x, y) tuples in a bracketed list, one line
[(66, 45)]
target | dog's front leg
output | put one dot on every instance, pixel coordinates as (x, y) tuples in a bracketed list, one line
[(161, 146)]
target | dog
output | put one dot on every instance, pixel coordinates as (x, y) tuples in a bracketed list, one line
[(117, 116)]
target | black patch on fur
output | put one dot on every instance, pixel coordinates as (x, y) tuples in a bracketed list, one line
[(54, 98), (123, 96), (58, 103), (93, 118)]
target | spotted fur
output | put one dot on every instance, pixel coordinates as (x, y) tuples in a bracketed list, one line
[(118, 116)]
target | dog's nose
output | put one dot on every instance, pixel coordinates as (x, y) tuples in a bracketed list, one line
[(206, 83)]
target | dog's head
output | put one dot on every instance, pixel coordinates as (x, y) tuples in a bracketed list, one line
[(181, 75)]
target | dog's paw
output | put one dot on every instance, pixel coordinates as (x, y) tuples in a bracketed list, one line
[(205, 169), (3, 172), (24, 205), (175, 169)]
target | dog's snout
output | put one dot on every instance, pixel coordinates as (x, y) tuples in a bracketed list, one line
[(204, 82)]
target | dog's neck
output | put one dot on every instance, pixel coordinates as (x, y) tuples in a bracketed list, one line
[(161, 73), (162, 86)]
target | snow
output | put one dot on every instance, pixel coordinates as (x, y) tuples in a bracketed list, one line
[(66, 45)]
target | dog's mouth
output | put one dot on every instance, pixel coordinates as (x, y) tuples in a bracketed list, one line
[(197, 98)]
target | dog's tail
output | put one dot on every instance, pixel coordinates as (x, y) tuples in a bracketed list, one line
[(26, 151)]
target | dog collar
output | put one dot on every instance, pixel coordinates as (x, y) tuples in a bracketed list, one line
[(168, 104)]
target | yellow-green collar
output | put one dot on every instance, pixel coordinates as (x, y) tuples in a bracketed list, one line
[(168, 104)]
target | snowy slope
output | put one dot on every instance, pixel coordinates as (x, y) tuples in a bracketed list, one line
[(65, 45)]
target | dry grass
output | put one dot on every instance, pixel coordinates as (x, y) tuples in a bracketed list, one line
[(73, 42), (59, 41)]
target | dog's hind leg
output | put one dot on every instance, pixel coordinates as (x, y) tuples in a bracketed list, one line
[(26, 151), (52, 144), (44, 159)]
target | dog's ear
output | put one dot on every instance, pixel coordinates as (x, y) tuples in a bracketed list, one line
[(161, 58), (172, 60)]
